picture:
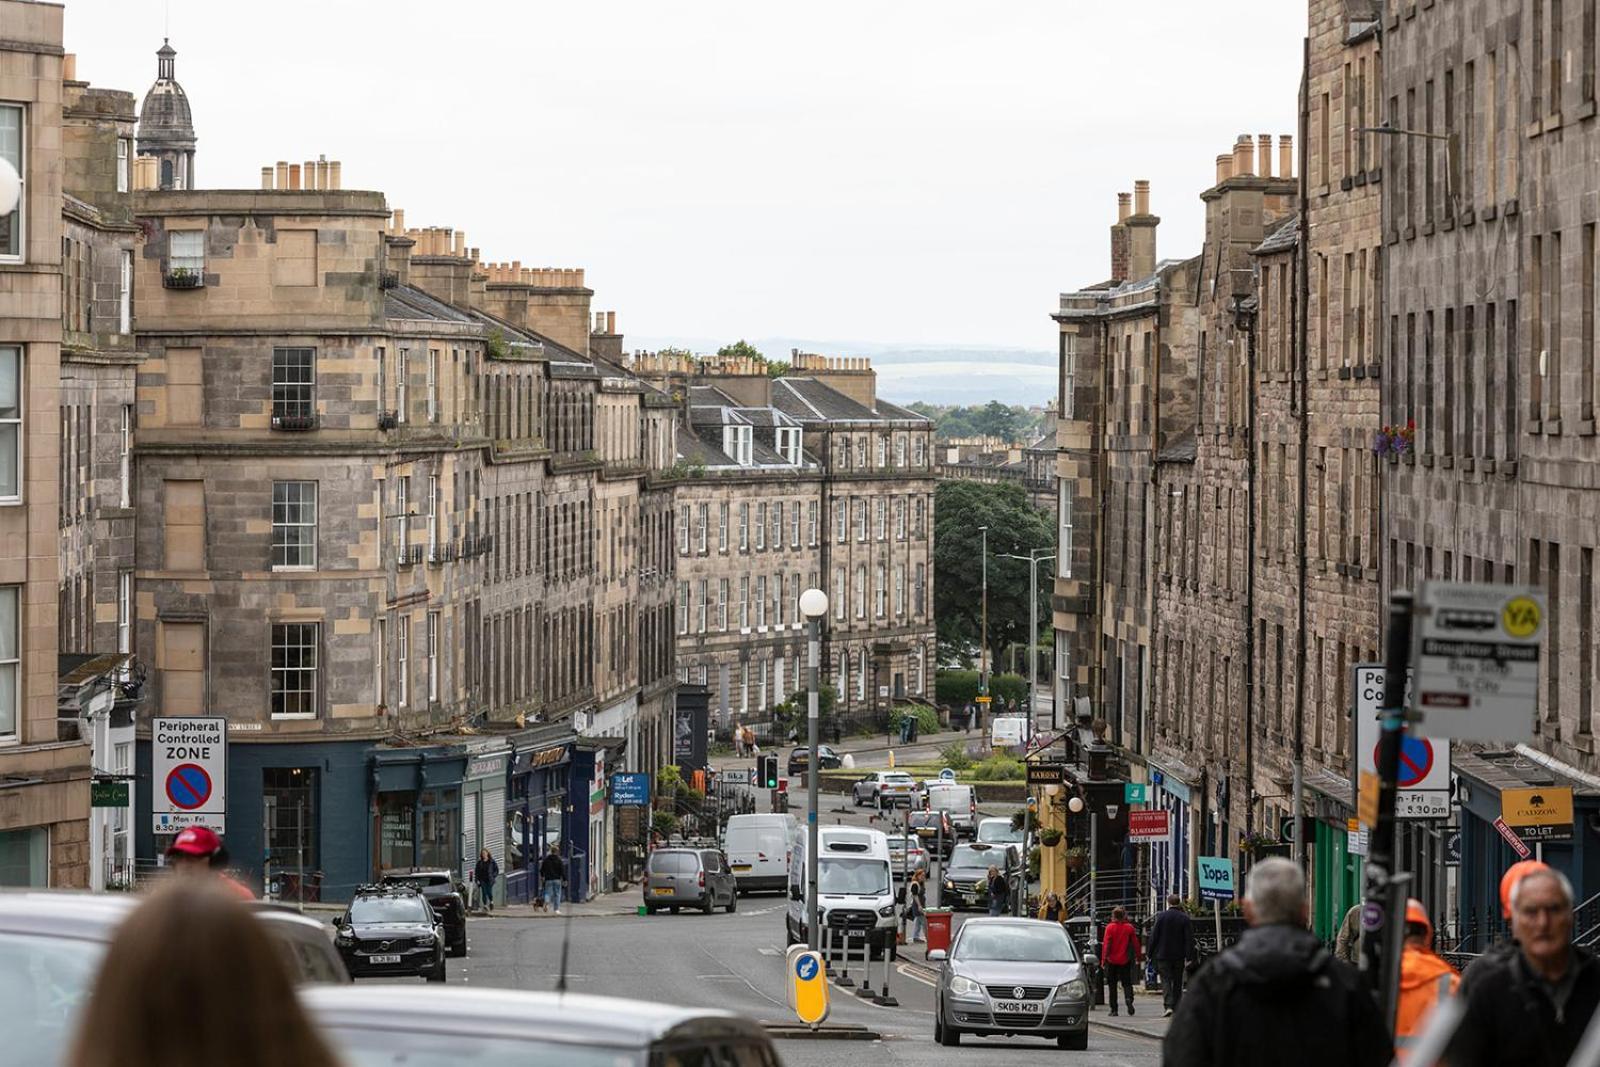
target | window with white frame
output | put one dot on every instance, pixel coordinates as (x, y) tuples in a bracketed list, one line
[(739, 444), (921, 519), (861, 591), (433, 657), (12, 150), (683, 607), (899, 589), (777, 600), (919, 591), (880, 514), (861, 452), (125, 292), (683, 529), (899, 450), (433, 385), (776, 539), (11, 385), (841, 594), (1069, 374), (861, 676), (293, 383), (811, 523), (125, 611), (125, 457), (380, 661), (294, 525), (883, 450), (761, 602), (841, 520), (794, 524), (1064, 543), (700, 609), (881, 591), (294, 669), (10, 660), (702, 529), (722, 604), (186, 251), (402, 387), (124, 164), (861, 518), (402, 663), (899, 518), (842, 688), (433, 515), (919, 450), (744, 603), (761, 527), (402, 517), (722, 528), (788, 442), (744, 527)]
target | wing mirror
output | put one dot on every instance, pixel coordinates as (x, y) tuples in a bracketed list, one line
[(937, 955)]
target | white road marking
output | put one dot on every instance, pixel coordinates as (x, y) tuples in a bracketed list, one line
[(906, 971)]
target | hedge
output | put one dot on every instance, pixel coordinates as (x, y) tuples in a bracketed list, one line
[(955, 689), (927, 718)]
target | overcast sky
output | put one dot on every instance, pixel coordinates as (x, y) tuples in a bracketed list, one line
[(918, 172)]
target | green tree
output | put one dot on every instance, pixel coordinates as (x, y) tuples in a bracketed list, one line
[(777, 368), (1015, 527), (995, 419), (741, 349)]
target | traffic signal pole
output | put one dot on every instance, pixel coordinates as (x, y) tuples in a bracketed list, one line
[(1383, 912)]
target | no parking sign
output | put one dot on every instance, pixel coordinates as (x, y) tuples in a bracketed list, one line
[(189, 766)]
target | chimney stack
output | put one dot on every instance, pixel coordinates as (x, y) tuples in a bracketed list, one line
[(69, 68), (1285, 156), (1264, 155), (1242, 166), (1141, 231), (1141, 197), (1119, 240)]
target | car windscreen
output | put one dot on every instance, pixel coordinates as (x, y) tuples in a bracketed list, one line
[(858, 876), (1045, 943), (898, 779), (397, 1047), (673, 863), (998, 833), (968, 856), (418, 881), (390, 910), (44, 982)]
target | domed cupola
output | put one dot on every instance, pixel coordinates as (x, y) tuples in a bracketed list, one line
[(166, 127)]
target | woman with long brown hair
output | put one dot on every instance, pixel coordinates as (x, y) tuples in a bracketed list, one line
[(192, 980)]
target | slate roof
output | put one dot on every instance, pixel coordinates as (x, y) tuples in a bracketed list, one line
[(1180, 451), (808, 400), (409, 302), (1281, 239)]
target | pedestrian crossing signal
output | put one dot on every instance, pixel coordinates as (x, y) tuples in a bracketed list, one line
[(769, 772)]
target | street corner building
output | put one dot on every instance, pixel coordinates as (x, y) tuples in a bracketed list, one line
[(786, 482)]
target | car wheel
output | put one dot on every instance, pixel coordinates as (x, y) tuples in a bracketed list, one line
[(459, 948), (946, 1034), (437, 974), (709, 904), (733, 903), (1075, 1042), (855, 797)]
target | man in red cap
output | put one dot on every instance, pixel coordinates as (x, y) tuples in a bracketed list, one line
[(198, 850)]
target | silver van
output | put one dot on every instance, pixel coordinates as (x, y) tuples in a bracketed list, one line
[(675, 878)]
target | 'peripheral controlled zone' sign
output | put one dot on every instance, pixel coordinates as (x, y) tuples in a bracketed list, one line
[(189, 772)]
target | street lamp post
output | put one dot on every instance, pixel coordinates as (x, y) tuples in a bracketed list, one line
[(1033, 559), (983, 639), (813, 605)]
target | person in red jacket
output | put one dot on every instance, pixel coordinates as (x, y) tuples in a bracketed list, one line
[(1119, 955)]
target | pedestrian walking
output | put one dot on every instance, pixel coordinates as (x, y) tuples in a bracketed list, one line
[(1051, 909), (1277, 996), (553, 876), (1172, 946), (1531, 1004), (191, 979), (1347, 942), (484, 876), (1119, 955), (998, 892), (917, 902), (967, 714), (1425, 979), (198, 852)]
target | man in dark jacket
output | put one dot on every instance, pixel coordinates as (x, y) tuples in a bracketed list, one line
[(1277, 996), (1529, 1005), (1171, 945)]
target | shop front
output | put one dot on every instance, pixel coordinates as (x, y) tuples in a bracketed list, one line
[(539, 783), (483, 804), (416, 807), (1173, 788)]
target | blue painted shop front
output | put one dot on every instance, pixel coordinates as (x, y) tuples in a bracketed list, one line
[(297, 816), (546, 773)]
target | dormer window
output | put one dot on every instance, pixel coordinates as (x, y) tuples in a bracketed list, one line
[(738, 442), (788, 442)]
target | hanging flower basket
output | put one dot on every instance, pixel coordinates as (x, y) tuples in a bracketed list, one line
[(1076, 858), (1050, 837), (1259, 845), (1395, 440)]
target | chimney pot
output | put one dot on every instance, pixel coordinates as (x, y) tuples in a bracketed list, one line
[(266, 177), (1141, 198), (1264, 155), (1224, 167), (1243, 166), (69, 68), (1124, 206), (611, 322), (335, 181), (400, 220), (1285, 155), (322, 172), (283, 175), (294, 176), (308, 173)]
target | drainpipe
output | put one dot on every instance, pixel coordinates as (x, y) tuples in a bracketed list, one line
[(1302, 314), (1245, 322)]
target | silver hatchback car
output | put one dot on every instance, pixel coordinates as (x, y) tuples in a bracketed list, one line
[(700, 878), (1011, 976)]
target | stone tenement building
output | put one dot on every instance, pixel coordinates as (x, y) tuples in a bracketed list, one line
[(1490, 301), (786, 483), (993, 461)]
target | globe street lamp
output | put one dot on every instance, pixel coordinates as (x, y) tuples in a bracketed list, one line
[(813, 605)]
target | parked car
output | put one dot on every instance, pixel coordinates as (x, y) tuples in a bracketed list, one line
[(966, 876), (1011, 976), (395, 1025), (800, 759), (54, 941), (998, 832), (937, 832), (444, 894), (390, 930), (906, 855), (759, 848), (689, 877), (883, 789)]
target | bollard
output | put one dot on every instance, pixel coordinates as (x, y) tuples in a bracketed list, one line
[(844, 981), (886, 999), (865, 992), (826, 943)]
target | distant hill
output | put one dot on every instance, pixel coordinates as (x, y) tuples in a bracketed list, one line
[(938, 374)]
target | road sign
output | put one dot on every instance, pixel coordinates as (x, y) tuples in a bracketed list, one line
[(189, 766), (1134, 792), (1215, 877), (947, 775), (1287, 831), (1522, 850), (1477, 657), (1149, 824), (108, 794), (1045, 772), (985, 700), (630, 790), (1543, 814), (1355, 838), (1452, 848), (1424, 779), (808, 985)]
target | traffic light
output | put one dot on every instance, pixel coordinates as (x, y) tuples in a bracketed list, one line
[(769, 772)]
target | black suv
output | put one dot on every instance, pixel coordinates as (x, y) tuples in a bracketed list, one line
[(445, 895), (390, 930)]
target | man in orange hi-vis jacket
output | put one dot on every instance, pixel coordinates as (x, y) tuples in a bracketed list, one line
[(1425, 979)]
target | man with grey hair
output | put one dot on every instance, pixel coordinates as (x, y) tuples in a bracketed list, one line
[(1530, 1005), (1277, 996)]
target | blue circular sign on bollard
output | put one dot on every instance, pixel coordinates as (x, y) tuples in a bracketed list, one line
[(805, 968)]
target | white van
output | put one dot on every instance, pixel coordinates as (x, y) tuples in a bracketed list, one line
[(960, 802), (760, 849), (854, 887)]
